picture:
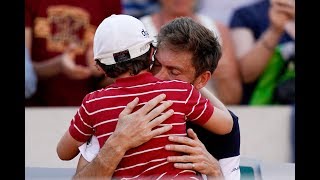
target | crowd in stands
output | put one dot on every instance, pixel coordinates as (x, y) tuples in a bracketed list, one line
[(257, 37)]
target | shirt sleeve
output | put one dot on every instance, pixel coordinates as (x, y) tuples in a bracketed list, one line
[(90, 149), (81, 127), (230, 167), (199, 109)]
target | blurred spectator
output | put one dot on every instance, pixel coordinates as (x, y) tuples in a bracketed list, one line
[(31, 78), (58, 35), (221, 10), (263, 34), (139, 8), (226, 81)]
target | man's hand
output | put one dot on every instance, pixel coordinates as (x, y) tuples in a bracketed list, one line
[(142, 122), (198, 158)]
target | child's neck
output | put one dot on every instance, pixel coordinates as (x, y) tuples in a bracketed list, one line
[(127, 74)]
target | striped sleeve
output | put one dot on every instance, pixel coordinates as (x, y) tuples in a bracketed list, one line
[(81, 127), (199, 108)]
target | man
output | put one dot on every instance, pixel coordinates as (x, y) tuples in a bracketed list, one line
[(175, 58)]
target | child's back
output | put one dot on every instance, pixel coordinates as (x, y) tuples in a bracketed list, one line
[(101, 109)]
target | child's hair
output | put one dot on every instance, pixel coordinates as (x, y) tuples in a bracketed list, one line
[(134, 66)]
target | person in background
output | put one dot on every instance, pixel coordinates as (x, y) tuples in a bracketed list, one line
[(128, 63), (31, 79), (221, 10), (58, 36), (139, 8), (263, 34), (226, 81)]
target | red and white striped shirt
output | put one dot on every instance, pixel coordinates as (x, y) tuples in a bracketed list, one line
[(98, 115)]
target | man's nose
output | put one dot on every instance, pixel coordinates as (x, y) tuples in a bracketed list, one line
[(162, 74)]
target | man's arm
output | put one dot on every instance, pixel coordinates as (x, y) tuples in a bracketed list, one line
[(131, 131), (104, 164)]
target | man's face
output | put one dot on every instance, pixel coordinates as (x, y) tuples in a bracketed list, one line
[(171, 65)]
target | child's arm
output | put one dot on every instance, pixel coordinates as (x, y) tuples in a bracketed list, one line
[(221, 121), (67, 147), (74, 137)]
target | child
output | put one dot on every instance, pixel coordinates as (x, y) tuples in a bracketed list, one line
[(124, 54)]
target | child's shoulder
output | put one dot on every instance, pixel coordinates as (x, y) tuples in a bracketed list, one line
[(178, 82), (183, 84), (95, 94)]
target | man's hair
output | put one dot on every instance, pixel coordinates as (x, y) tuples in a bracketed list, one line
[(134, 66), (184, 34)]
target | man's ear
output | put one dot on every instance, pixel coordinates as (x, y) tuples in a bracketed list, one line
[(202, 80)]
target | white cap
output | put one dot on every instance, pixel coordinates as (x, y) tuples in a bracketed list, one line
[(120, 38)]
